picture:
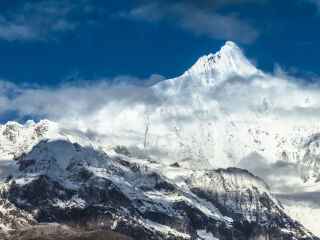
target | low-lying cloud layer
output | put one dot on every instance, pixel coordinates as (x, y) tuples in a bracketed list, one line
[(76, 99)]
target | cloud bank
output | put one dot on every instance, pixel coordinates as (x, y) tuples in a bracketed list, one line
[(75, 99)]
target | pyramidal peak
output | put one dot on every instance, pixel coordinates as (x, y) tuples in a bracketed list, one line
[(211, 70), (230, 60)]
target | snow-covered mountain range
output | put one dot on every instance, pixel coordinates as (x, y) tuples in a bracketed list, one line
[(56, 175), (170, 163)]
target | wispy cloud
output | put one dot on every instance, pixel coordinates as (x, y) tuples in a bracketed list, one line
[(316, 2), (216, 25), (149, 13), (127, 80), (200, 19), (44, 20), (13, 31)]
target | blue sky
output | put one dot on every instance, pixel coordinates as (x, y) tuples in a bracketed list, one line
[(48, 42)]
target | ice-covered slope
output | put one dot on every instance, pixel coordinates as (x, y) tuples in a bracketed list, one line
[(64, 177)]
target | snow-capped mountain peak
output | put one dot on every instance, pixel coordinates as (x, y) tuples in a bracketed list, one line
[(230, 60), (211, 70)]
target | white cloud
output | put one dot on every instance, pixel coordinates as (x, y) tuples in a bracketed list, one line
[(74, 99)]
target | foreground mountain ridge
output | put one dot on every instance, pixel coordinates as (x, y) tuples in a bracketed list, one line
[(59, 175)]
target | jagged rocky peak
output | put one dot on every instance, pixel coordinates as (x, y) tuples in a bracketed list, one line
[(229, 60)]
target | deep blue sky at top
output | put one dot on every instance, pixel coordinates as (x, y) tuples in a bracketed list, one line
[(45, 42)]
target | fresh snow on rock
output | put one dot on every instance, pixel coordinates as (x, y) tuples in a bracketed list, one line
[(12, 217), (203, 235), (165, 229)]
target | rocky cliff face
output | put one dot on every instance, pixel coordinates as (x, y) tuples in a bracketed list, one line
[(62, 176)]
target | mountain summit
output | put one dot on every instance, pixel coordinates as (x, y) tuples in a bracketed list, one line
[(212, 69), (229, 60)]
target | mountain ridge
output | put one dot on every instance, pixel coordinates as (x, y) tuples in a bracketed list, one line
[(98, 187)]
